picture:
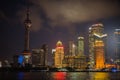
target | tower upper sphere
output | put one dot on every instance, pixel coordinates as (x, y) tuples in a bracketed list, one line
[(28, 22)]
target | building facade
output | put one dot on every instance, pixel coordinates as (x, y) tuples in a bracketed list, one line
[(39, 56), (99, 54), (117, 46), (78, 60), (36, 57), (80, 47), (72, 48), (59, 55), (96, 46)]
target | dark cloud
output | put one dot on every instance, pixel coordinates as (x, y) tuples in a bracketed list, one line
[(63, 12), (3, 16)]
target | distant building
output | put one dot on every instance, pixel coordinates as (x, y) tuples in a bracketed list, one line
[(0, 64), (18, 60), (97, 46), (15, 60), (117, 46), (53, 51), (77, 62), (37, 57), (59, 55), (80, 62), (80, 49), (45, 53), (69, 61), (75, 58), (6, 63), (53, 56), (72, 48)]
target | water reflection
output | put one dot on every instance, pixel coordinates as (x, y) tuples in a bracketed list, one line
[(33, 76), (101, 76), (59, 76), (20, 75), (76, 76), (82, 76)]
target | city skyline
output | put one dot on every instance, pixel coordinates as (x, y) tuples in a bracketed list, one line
[(50, 24)]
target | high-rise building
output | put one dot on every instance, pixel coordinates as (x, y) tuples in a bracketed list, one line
[(53, 56), (117, 44), (45, 53), (99, 54), (26, 52), (80, 47), (37, 57), (72, 48), (96, 46), (59, 55)]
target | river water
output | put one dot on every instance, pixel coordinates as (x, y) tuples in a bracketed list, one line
[(59, 76)]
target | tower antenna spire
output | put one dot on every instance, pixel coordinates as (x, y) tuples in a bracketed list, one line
[(28, 13)]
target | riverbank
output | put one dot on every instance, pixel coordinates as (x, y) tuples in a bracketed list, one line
[(36, 69)]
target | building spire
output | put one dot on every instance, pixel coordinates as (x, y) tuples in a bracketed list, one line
[(27, 20), (28, 13)]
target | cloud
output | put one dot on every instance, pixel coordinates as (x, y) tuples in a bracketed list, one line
[(64, 12), (3, 16)]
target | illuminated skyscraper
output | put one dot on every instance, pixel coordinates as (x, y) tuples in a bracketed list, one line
[(72, 48), (59, 55), (96, 46), (26, 52), (117, 48), (80, 46), (99, 54)]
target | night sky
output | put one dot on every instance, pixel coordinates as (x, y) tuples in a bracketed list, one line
[(54, 20)]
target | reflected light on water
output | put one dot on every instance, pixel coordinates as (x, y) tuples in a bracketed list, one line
[(59, 76), (101, 76), (80, 76), (20, 75), (77, 76)]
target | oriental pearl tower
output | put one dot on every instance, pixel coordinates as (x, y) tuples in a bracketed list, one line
[(26, 52)]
